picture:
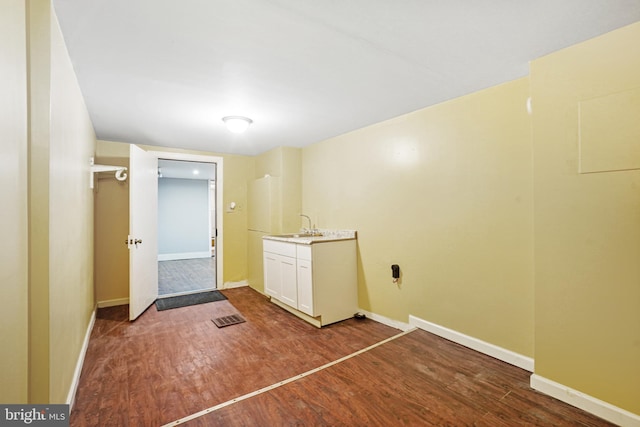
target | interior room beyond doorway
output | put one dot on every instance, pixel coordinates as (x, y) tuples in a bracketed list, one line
[(186, 227)]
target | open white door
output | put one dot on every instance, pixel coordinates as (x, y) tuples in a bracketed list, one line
[(143, 228)]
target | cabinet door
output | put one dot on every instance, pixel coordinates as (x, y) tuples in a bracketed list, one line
[(289, 289), (272, 275), (305, 287)]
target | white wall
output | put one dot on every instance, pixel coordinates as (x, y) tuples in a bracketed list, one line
[(183, 218)]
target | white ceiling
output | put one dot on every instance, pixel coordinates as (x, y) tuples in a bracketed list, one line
[(186, 170), (164, 72)]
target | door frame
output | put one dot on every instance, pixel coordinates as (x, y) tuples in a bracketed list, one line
[(203, 158)]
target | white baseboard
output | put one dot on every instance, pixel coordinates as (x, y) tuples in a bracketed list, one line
[(492, 350), (386, 321), (113, 302), (230, 285), (585, 402), (71, 396), (184, 255)]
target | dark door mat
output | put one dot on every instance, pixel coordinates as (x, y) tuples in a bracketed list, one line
[(233, 319), (191, 299)]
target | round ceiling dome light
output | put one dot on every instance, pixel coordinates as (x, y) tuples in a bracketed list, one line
[(237, 124)]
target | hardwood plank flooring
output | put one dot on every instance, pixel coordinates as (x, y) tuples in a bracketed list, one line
[(171, 364), (418, 380)]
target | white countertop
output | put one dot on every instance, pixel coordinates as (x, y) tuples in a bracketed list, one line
[(307, 239)]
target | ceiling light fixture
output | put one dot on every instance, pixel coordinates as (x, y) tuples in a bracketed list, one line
[(237, 124)]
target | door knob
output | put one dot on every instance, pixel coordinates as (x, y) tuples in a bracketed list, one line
[(132, 241)]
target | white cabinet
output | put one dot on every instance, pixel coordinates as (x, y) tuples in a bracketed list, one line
[(305, 287), (280, 271), (317, 282), (289, 293), (272, 274)]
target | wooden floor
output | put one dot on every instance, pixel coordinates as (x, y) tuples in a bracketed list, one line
[(171, 364)]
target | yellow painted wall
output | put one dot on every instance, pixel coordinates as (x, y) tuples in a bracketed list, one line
[(291, 189), (39, 75), (49, 264), (284, 163), (237, 171), (111, 226), (446, 193), (112, 276), (111, 222), (13, 193), (587, 227), (269, 162), (71, 296)]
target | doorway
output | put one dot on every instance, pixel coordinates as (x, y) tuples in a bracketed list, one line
[(143, 228), (186, 227)]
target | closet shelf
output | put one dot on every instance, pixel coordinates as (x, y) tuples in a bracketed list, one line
[(120, 171)]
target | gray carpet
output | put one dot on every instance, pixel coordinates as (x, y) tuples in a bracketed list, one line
[(191, 299), (186, 275)]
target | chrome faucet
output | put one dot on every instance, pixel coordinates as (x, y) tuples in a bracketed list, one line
[(309, 219)]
